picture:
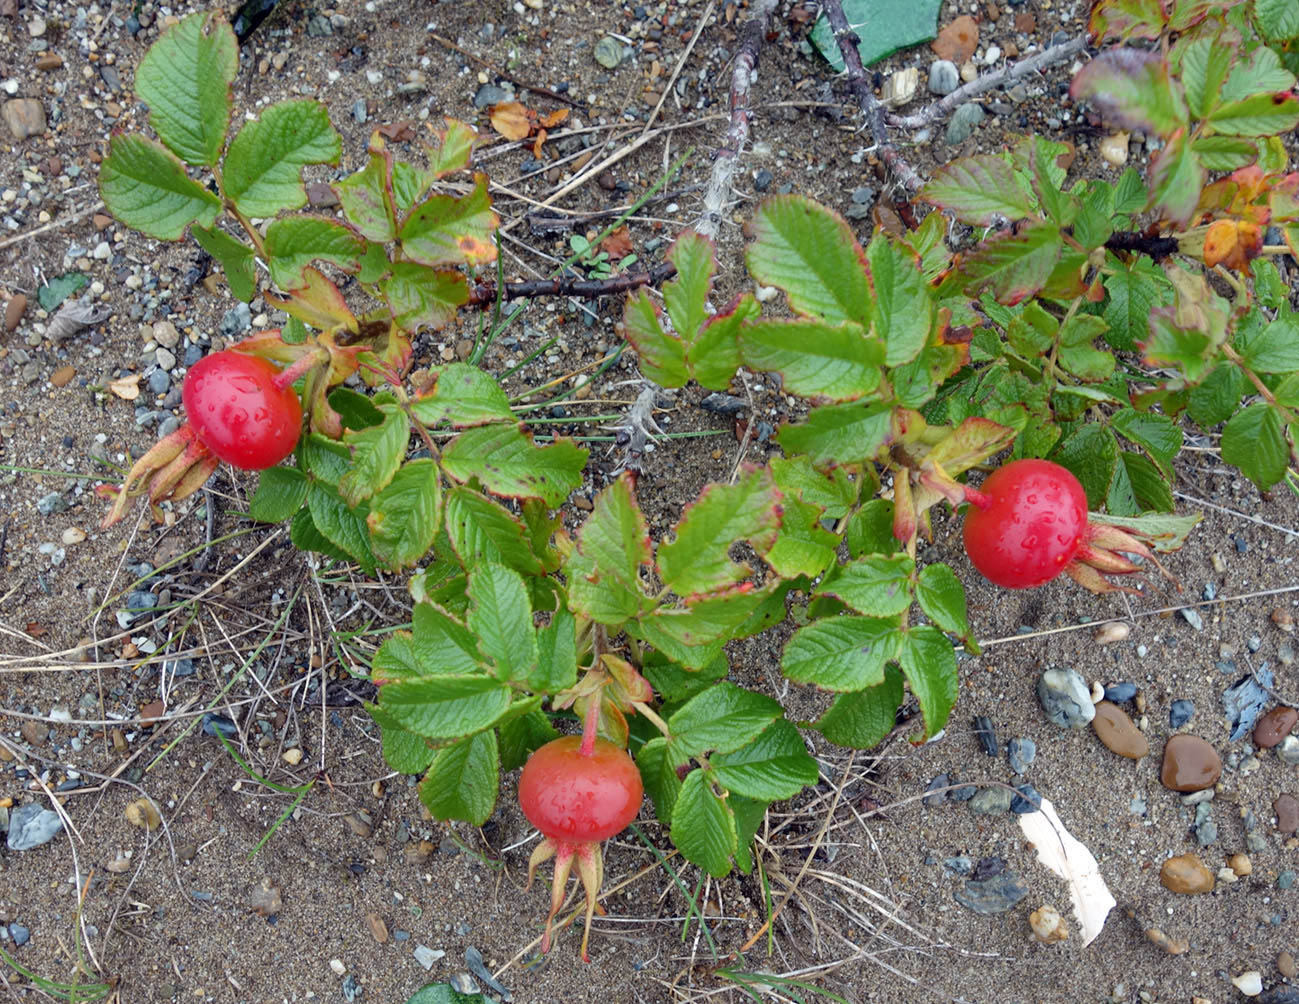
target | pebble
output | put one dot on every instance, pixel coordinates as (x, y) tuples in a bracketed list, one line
[(959, 865), (31, 825), (489, 94), (1192, 617), (1028, 799), (992, 895), (1280, 995), (1173, 946), (214, 724), (961, 126), (142, 813), (934, 800), (1205, 829), (378, 929), (1119, 693), (24, 117), (1111, 632), (1179, 713), (1274, 726), (958, 40), (1048, 926), (1286, 808), (14, 310), (1244, 700), (1288, 751), (1115, 729), (608, 52), (49, 505), (474, 960), (20, 934), (1250, 982), (1186, 874), (1241, 864), (943, 77), (351, 989), (1189, 764), (992, 55), (1021, 752), (900, 88), (991, 801), (236, 319), (34, 732), (1114, 151), (1285, 965), (265, 899), (426, 956), (986, 733), (1065, 698)]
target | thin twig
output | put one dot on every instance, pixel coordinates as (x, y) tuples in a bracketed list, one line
[(944, 106)]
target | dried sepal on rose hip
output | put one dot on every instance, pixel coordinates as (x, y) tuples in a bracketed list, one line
[(1028, 522), (240, 408), (578, 791)]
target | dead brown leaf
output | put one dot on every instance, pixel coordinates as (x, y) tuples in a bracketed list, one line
[(618, 244), (127, 387), (511, 120)]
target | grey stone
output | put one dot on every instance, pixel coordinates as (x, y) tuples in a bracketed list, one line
[(960, 865), (608, 52), (31, 825), (1206, 830), (992, 895), (991, 802), (1288, 751), (235, 320), (48, 505), (474, 960), (1179, 713), (944, 77), (488, 95), (1065, 698), (159, 381), (963, 121), (169, 425), (1020, 752), (1244, 700), (319, 26), (1192, 617), (426, 956), (359, 110), (20, 934), (938, 797), (1028, 799), (166, 358)]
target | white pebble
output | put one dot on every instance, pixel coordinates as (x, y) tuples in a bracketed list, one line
[(337, 966), (992, 55), (1250, 982)]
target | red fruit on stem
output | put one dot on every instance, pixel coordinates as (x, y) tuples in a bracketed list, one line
[(577, 791), (241, 411)]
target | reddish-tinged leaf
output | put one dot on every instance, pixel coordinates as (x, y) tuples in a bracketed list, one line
[(603, 568), (1014, 266), (452, 147), (980, 189), (662, 354), (1125, 19), (317, 304), (1257, 115), (618, 244), (1132, 88), (549, 121), (1232, 243), (1176, 179), (446, 230)]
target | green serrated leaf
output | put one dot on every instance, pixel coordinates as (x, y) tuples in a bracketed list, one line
[(1150, 488), (838, 362), (146, 187), (1132, 88), (480, 530), (1279, 19), (1091, 452), (452, 230), (185, 79), (603, 569), (662, 353), (809, 252), (500, 617), (1254, 440), (686, 295), (1204, 67), (556, 654), (833, 492), (521, 735), (405, 515), (1077, 353), (714, 354), (403, 751), (344, 526), (773, 766), (1013, 266), (981, 189), (1261, 73), (1158, 434), (444, 993), (376, 454), (1269, 288), (695, 633), (929, 664), (723, 718), (437, 645), (1275, 349), (841, 653), (295, 242), (660, 776), (507, 462), (235, 256), (877, 585), (1224, 153), (870, 529), (863, 718), (280, 493), (463, 396), (697, 559), (423, 296), (904, 305), (1216, 399), (1257, 115), (839, 433), (1176, 179), (365, 196), (675, 683), (703, 826), (1134, 291), (445, 707), (802, 546), (463, 780), (263, 167), (942, 598), (306, 536)]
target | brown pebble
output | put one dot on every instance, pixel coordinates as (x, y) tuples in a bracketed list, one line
[(321, 196), (1241, 865), (1115, 729), (1286, 808), (14, 310), (102, 221), (119, 741), (265, 899), (378, 929), (1011, 50), (415, 854), (151, 712), (607, 181), (49, 61), (54, 166), (582, 502), (62, 376), (958, 40), (1283, 619), (35, 732), (1173, 946), (1286, 966), (357, 824), (992, 12), (1274, 726), (1026, 22), (1190, 764), (1185, 874)]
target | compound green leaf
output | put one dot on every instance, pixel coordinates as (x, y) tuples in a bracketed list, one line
[(942, 598), (445, 707), (1013, 266), (521, 735), (773, 766), (722, 718), (703, 826), (404, 516), (1224, 153), (1279, 19), (838, 362), (463, 780), (863, 718), (981, 189), (833, 492), (377, 451), (507, 462), (715, 351), (263, 167), (280, 493), (365, 196), (929, 664), (481, 530), (403, 751), (1257, 115), (1261, 73), (1205, 64), (686, 295), (803, 546), (185, 78), (662, 353), (295, 242), (147, 188), (1215, 400), (1276, 348), (1155, 433), (306, 536), (438, 645), (877, 585), (500, 617), (235, 256), (1132, 88), (810, 252), (1176, 179), (343, 525), (841, 653), (695, 633), (424, 297), (839, 433), (1077, 353), (452, 230), (904, 306), (1254, 440), (603, 568), (463, 396), (1091, 452), (556, 654), (660, 776)]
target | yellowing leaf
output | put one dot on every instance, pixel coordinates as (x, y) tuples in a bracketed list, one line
[(127, 387), (510, 119)]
